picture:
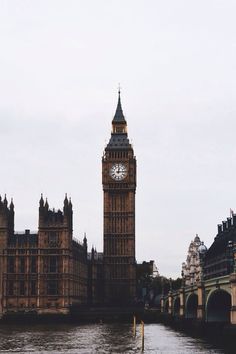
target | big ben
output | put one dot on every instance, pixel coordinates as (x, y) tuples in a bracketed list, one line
[(119, 186)]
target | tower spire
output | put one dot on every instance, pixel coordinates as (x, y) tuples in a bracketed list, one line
[(119, 116)]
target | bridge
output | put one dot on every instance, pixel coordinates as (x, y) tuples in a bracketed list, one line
[(208, 292), (212, 300)]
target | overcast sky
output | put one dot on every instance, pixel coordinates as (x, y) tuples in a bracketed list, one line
[(60, 65)]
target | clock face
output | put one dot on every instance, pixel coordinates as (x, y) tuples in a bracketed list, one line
[(118, 171)]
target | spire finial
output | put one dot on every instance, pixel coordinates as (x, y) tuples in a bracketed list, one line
[(119, 89), (70, 204), (85, 240), (5, 200), (12, 205), (65, 201), (41, 201)]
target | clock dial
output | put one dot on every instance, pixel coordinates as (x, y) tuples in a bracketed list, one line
[(118, 171)]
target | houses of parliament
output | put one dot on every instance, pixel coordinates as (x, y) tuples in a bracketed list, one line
[(49, 272)]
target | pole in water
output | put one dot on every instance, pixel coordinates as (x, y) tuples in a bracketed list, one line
[(134, 327), (142, 334)]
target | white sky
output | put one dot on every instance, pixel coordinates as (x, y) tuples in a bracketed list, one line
[(60, 65)]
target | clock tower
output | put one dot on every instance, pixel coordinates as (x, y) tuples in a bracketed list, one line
[(119, 185)]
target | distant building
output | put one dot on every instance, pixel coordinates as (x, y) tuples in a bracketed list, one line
[(219, 259), (147, 269), (146, 272), (95, 278), (192, 269)]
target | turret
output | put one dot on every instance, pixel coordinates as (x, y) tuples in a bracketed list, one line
[(41, 202), (219, 229), (11, 217), (12, 205), (46, 204), (66, 203), (229, 222), (67, 210), (5, 202), (92, 253), (49, 218), (224, 225), (234, 219), (6, 221), (85, 243), (55, 226), (70, 204)]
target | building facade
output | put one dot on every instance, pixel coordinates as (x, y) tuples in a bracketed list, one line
[(219, 259), (192, 269), (95, 278), (119, 186), (44, 272)]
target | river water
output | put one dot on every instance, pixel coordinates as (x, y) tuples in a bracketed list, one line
[(98, 338)]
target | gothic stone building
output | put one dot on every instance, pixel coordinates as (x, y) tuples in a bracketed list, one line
[(192, 269), (44, 272), (219, 259), (50, 272)]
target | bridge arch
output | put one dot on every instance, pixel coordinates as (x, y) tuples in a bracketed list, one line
[(176, 307), (191, 306), (218, 306)]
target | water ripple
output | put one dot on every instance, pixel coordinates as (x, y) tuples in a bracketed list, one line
[(98, 338)]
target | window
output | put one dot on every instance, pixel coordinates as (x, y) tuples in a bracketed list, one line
[(53, 238), (22, 288), (52, 264), (33, 287), (52, 287), (33, 265), (10, 289), (22, 264), (11, 265)]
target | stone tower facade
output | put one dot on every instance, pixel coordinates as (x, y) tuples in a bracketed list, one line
[(119, 186)]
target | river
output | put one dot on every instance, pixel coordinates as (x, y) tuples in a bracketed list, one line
[(98, 338)]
